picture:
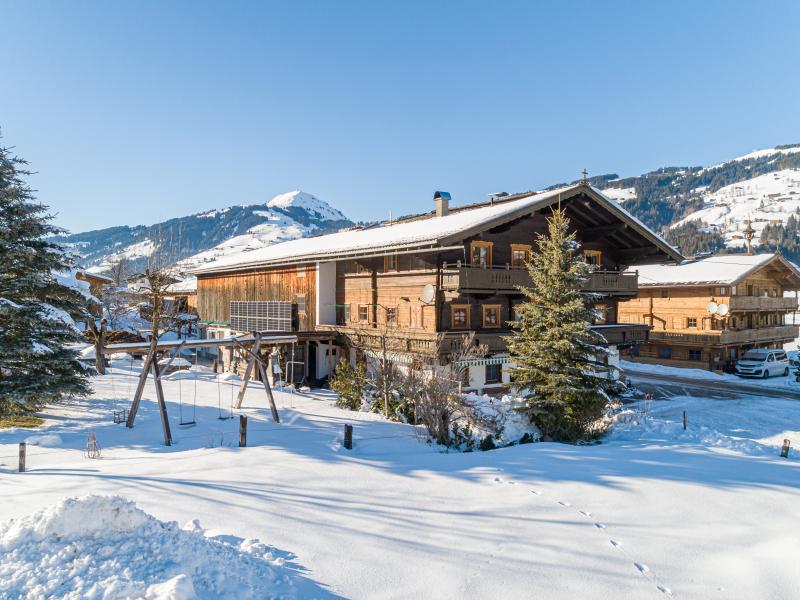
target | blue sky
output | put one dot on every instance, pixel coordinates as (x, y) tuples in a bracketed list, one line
[(134, 112)]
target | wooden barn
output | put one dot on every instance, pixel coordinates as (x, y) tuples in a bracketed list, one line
[(420, 283)]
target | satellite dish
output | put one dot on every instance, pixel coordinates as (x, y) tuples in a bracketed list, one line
[(722, 310), (428, 293), (712, 308)]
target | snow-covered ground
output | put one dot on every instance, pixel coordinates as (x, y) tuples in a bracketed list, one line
[(652, 512), (768, 198)]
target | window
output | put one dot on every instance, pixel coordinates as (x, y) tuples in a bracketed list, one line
[(460, 316), (343, 314), (520, 254), (665, 352), (694, 354), (491, 315), (691, 322), (665, 293), (494, 373), (733, 290), (391, 316), (390, 263), (363, 312), (301, 304), (601, 312), (593, 257), (481, 254)]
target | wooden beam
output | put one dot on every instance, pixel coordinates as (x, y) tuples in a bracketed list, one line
[(592, 234), (137, 397), (268, 389), (248, 372), (162, 405), (177, 351), (641, 251)]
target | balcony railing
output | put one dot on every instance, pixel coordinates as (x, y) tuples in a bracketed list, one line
[(729, 336), (473, 278), (762, 303)]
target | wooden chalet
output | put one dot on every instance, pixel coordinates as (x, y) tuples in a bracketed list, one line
[(424, 281), (706, 313)]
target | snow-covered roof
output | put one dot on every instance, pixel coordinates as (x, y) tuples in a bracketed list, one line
[(417, 233), (187, 286), (723, 269)]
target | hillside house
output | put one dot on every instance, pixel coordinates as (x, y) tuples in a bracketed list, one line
[(706, 313), (423, 282)]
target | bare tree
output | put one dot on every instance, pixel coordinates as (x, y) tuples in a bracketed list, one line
[(441, 398)]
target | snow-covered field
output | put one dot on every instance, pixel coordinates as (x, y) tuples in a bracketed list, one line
[(652, 512)]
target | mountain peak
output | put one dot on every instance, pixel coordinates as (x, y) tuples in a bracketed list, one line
[(298, 199)]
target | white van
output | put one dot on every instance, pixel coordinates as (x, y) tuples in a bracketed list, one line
[(763, 362)]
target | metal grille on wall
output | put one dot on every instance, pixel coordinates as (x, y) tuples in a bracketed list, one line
[(268, 315)]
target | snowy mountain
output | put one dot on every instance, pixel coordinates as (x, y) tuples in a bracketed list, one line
[(204, 237), (705, 208)]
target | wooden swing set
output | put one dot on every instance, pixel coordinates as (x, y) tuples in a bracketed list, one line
[(248, 344)]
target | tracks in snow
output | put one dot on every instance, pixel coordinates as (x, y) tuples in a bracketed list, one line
[(600, 527)]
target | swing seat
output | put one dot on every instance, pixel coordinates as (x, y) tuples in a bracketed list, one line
[(187, 424), (120, 416)]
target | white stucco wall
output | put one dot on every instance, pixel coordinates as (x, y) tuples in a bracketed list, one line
[(326, 293)]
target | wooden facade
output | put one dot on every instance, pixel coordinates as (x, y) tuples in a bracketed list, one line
[(472, 277), (684, 333), (294, 283)]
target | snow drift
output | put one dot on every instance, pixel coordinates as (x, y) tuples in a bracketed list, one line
[(106, 547)]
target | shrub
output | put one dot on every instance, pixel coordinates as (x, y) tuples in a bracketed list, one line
[(348, 382)]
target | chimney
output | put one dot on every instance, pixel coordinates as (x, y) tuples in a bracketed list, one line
[(442, 200)]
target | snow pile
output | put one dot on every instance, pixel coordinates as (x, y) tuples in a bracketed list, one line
[(497, 417), (106, 547), (48, 440)]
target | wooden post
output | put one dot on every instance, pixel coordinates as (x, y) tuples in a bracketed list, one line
[(330, 359), (784, 449), (348, 437), (22, 447), (162, 405), (214, 364), (268, 389), (137, 397), (684, 420), (248, 372), (242, 431)]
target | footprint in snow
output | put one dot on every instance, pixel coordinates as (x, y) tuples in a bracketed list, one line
[(599, 525), (615, 543), (511, 482), (585, 513), (564, 503), (643, 568), (664, 589), (498, 480), (537, 492)]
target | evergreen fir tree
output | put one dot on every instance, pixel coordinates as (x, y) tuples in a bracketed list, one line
[(36, 365), (558, 359)]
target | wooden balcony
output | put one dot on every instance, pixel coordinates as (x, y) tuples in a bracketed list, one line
[(778, 334), (507, 280), (743, 303), (623, 334)]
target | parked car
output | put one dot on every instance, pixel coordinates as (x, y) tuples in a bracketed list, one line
[(763, 362)]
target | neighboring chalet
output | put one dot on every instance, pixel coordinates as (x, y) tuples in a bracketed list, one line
[(707, 312), (422, 282), (97, 285)]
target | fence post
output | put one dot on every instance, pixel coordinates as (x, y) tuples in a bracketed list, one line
[(348, 437), (784, 449), (684, 420), (22, 447), (242, 431)]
